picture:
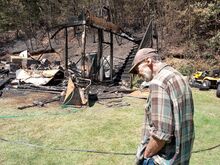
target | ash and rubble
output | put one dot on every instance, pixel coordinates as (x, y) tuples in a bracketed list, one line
[(24, 72), (81, 66)]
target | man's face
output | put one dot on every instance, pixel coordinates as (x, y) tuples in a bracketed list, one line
[(144, 71)]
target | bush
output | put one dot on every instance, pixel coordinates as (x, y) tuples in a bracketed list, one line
[(186, 70), (214, 42)]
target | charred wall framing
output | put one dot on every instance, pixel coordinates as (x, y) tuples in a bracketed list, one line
[(87, 19)]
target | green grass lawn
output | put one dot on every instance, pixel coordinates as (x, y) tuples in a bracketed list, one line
[(96, 128)]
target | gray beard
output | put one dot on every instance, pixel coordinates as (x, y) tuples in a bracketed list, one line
[(147, 78)]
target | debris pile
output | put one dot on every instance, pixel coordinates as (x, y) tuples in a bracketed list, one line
[(79, 83), (22, 73)]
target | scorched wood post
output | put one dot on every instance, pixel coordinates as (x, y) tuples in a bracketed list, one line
[(66, 51), (100, 52), (111, 56), (83, 51)]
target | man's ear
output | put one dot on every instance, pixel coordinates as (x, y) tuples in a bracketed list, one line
[(148, 61)]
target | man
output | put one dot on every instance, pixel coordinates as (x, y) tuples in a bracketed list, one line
[(169, 128)]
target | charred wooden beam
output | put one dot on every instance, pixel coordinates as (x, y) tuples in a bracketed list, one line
[(72, 22), (37, 52), (34, 90), (108, 43), (110, 96), (119, 104), (147, 38), (101, 23), (41, 88), (40, 103)]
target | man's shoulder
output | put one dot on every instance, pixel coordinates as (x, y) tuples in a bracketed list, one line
[(164, 76)]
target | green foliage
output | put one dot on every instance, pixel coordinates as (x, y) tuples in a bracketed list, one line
[(178, 22), (214, 42), (205, 17), (186, 70), (205, 23)]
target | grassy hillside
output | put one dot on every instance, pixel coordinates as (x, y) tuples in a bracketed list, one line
[(34, 133)]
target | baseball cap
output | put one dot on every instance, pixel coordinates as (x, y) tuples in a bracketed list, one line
[(140, 56)]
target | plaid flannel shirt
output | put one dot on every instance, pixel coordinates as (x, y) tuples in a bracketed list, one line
[(169, 116)]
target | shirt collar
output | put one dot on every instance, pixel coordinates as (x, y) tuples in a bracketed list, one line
[(163, 65)]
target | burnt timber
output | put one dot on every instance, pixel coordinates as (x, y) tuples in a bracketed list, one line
[(123, 76), (87, 19)]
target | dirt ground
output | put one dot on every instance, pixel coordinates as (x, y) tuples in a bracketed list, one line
[(17, 98)]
